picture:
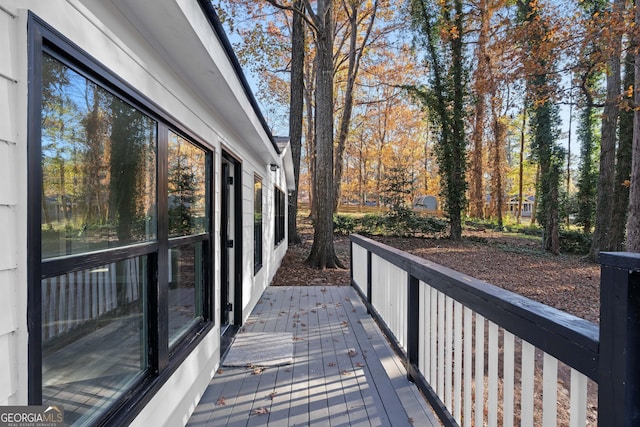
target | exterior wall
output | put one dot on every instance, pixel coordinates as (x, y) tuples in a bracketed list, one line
[(104, 32), (13, 334)]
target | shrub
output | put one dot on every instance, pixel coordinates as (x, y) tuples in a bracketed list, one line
[(344, 224), (574, 242), (372, 224)]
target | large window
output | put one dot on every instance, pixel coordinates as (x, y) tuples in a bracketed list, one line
[(187, 211), (257, 224), (120, 238), (280, 206)]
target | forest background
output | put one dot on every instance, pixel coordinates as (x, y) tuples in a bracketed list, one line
[(388, 100)]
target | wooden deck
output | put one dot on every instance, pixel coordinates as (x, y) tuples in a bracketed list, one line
[(344, 372)]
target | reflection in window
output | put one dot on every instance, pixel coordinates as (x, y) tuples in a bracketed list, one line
[(187, 187), (185, 289), (94, 325), (257, 224), (98, 166)]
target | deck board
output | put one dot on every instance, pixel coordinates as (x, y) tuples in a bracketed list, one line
[(344, 371)]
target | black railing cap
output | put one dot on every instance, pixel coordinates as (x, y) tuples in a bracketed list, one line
[(624, 260)]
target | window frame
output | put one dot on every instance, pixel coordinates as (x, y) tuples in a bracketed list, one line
[(279, 215), (162, 361)]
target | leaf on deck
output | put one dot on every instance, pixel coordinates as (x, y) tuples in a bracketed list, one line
[(260, 411)]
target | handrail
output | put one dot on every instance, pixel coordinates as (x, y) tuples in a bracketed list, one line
[(567, 337), (419, 303)]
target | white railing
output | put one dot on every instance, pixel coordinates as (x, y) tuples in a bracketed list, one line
[(488, 357), (75, 298)]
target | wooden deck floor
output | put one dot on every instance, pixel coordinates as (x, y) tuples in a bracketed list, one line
[(344, 372)]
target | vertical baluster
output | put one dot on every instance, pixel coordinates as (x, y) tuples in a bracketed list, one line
[(79, 297), (527, 381), (492, 383), (457, 361), (448, 388), (549, 391), (62, 305), (71, 299), (86, 313), (479, 377), (403, 303), (468, 368), (433, 346), (113, 285), (441, 338), (101, 289), (508, 379), (578, 399), (424, 337)]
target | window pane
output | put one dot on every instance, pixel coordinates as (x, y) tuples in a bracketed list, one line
[(185, 289), (94, 337), (98, 166), (187, 187), (257, 224)]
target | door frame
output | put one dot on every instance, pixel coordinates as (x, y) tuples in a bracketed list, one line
[(236, 281)]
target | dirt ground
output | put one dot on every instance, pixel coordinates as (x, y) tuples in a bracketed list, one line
[(514, 262)]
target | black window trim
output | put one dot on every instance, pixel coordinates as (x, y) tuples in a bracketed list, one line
[(162, 364), (279, 216)]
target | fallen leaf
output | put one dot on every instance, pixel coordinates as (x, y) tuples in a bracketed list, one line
[(221, 401), (332, 364), (359, 365), (260, 411), (345, 372), (273, 395), (352, 352), (258, 370)]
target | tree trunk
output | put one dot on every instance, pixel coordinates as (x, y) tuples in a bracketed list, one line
[(476, 189), (608, 149), (498, 164), (619, 211), (521, 167), (296, 113), (476, 192), (633, 221), (311, 138), (323, 252), (355, 54), (458, 138)]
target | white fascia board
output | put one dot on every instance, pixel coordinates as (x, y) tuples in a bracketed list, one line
[(287, 166)]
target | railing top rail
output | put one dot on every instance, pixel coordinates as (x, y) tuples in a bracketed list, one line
[(625, 260), (573, 340)]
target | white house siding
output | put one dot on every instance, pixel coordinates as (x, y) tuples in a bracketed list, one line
[(120, 35), (12, 225)]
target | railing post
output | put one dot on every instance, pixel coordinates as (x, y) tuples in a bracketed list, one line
[(369, 282), (619, 359), (413, 332)]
